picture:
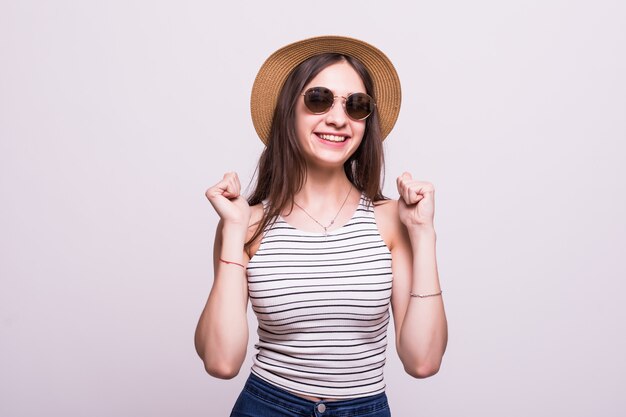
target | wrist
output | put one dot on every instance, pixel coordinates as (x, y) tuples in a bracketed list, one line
[(422, 232), (233, 253), (236, 231), (233, 242)]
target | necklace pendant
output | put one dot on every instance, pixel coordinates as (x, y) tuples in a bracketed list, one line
[(332, 221)]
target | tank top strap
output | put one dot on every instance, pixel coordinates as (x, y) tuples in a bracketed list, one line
[(366, 206)]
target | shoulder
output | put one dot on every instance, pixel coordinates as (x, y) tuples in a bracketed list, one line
[(382, 206), (256, 215), (388, 221)]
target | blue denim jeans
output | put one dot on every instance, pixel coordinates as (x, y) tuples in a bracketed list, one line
[(262, 399)]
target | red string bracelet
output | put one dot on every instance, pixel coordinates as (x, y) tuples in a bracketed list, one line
[(234, 263)]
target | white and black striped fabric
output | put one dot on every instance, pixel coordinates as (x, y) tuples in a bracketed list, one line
[(322, 303)]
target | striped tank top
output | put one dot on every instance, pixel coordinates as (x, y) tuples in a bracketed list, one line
[(322, 305)]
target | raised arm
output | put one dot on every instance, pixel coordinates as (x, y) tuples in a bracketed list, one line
[(420, 322), (221, 337)]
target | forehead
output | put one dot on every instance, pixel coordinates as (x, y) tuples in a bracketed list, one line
[(340, 77)]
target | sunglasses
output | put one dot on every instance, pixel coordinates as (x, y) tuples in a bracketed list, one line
[(358, 106)]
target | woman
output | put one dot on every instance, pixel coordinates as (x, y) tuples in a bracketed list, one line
[(317, 248)]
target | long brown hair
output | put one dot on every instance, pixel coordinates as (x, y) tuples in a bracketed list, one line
[(282, 169)]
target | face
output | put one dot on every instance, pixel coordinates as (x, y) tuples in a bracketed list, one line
[(330, 138)]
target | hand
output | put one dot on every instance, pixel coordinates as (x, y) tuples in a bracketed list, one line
[(416, 204), (227, 201)]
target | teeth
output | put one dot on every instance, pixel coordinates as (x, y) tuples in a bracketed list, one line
[(333, 138)]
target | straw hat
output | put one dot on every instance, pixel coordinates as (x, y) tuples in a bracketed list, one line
[(279, 65)]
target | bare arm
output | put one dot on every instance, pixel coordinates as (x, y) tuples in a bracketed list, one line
[(421, 325), (221, 337)]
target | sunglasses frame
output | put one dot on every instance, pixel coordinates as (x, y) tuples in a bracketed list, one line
[(345, 99)]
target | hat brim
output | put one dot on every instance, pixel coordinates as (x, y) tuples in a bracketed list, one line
[(275, 70)]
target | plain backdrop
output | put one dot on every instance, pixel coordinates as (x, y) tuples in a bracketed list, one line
[(116, 116)]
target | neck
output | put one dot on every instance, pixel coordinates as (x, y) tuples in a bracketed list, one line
[(323, 189)]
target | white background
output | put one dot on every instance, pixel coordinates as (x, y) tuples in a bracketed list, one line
[(115, 116)]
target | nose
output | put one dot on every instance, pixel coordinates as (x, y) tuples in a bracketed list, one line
[(336, 116)]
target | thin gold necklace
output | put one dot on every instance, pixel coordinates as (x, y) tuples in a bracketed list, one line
[(334, 218)]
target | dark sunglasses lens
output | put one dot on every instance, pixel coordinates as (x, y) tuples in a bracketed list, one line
[(359, 106), (318, 99)]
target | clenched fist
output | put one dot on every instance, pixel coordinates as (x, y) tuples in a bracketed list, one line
[(226, 199), (416, 204)]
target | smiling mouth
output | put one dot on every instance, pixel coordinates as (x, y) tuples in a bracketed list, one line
[(332, 138)]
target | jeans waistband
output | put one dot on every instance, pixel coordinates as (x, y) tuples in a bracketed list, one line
[(279, 396)]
